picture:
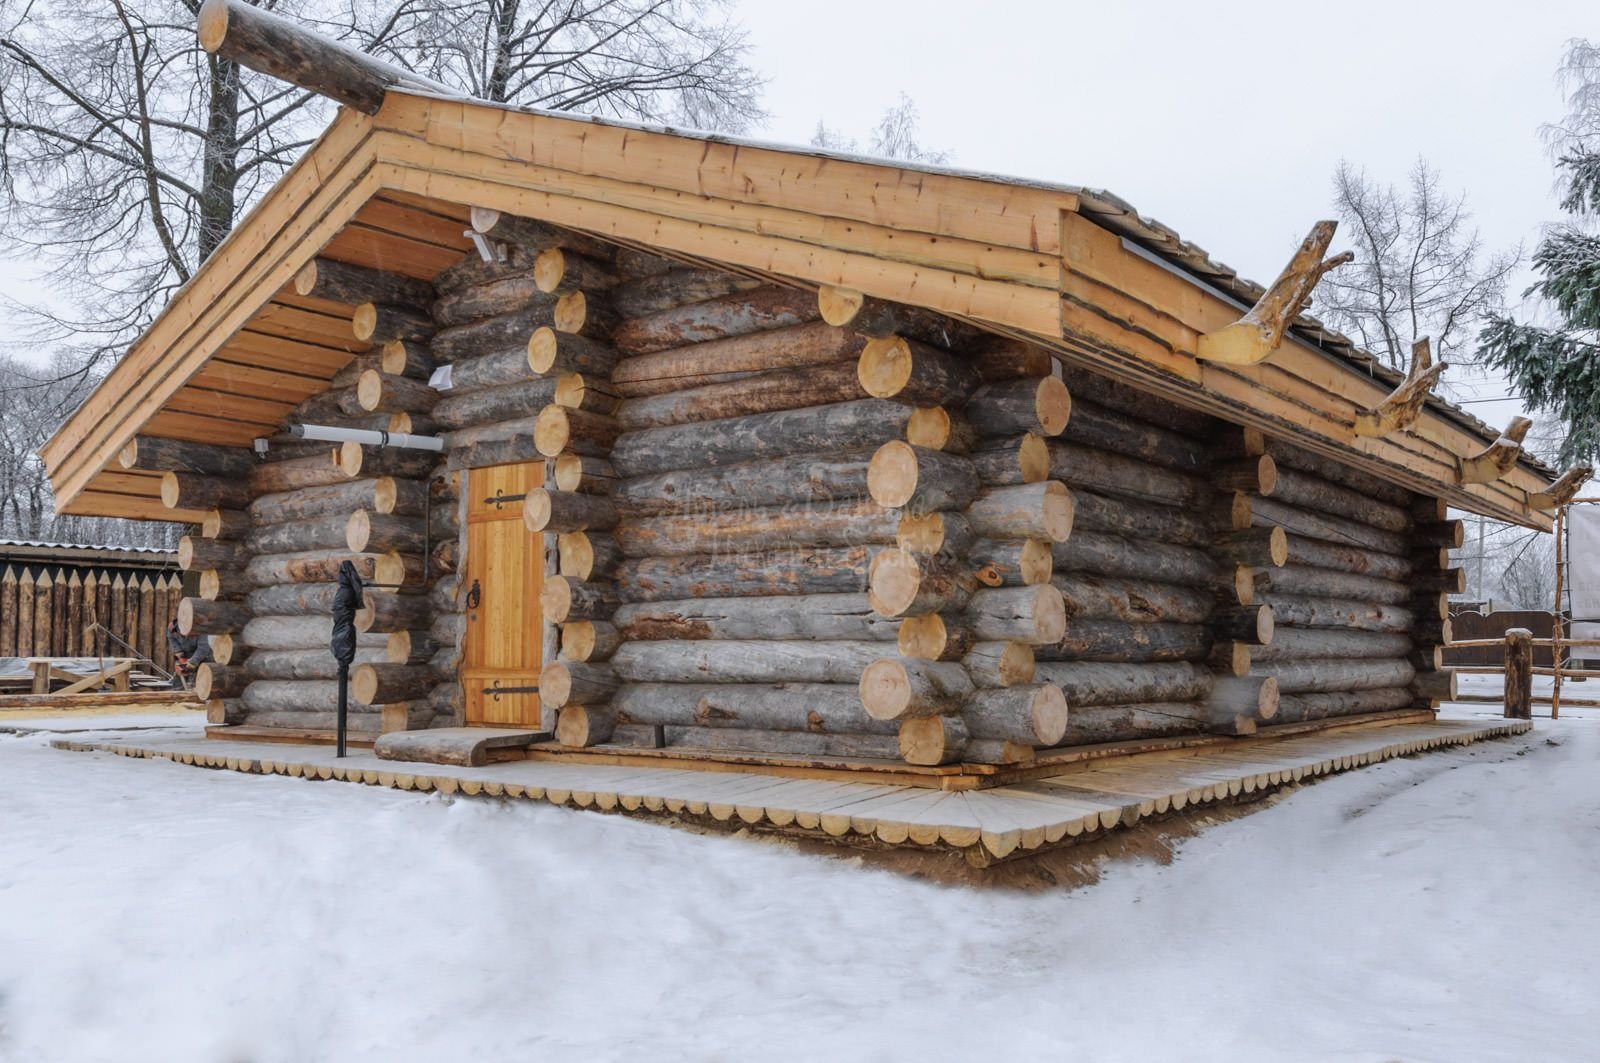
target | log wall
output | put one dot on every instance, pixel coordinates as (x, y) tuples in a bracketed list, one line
[(793, 522), (51, 610)]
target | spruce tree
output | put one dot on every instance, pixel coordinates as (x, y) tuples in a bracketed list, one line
[(1557, 368)]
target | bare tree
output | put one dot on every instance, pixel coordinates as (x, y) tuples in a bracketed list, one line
[(32, 402), (894, 137), (1420, 269), (1527, 569), (677, 61)]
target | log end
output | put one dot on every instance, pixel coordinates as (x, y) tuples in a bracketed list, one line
[(571, 312), (1278, 547), (349, 459), (484, 219), (1057, 512), (369, 389), (1267, 702), (549, 269), (555, 599), (555, 686), (893, 581), (1266, 474), (1049, 714), (171, 491), (839, 306), (358, 531), (579, 726), (1035, 562), (931, 427), (1033, 459), (1052, 404), (1049, 615), (364, 322), (392, 358), (885, 367), (542, 349), (892, 474), (186, 616), (397, 650), (364, 683), (305, 281), (211, 27), (537, 509), (932, 740), (552, 431), (186, 553), (885, 689), (129, 455)]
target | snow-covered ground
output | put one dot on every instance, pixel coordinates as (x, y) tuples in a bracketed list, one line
[(1437, 908)]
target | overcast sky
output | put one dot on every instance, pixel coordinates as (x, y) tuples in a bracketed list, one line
[(1224, 121)]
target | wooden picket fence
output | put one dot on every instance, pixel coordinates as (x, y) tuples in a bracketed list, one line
[(51, 612)]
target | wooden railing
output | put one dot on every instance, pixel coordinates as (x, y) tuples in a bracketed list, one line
[(1519, 669)]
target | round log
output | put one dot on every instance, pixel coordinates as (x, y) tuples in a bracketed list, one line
[(736, 314), (902, 688), (551, 352), (1116, 682), (558, 271), (765, 392), (576, 683), (936, 428), (196, 616), (589, 640), (901, 583), (188, 490), (934, 637), (812, 708), (591, 476), (826, 570), (565, 511), (747, 661), (382, 494), (404, 358), (1000, 664), (505, 405), (1116, 640), (581, 726), (212, 680), (1001, 461), (1135, 601), (1033, 615), (1026, 715), (901, 476), (932, 740), (816, 616), (948, 534), (366, 531), (585, 556), (559, 430), (389, 684), (378, 323), (1042, 407), (908, 371), (720, 361), (801, 480), (197, 554), (841, 427), (578, 315), (225, 524), (754, 528), (157, 454), (385, 612), (1024, 511), (562, 600)]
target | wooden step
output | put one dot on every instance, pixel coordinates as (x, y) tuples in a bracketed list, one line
[(467, 747)]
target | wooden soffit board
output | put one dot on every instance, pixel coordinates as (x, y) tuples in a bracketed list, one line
[(392, 191)]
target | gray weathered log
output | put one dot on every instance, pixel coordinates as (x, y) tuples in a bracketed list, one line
[(830, 570), (745, 661), (841, 427), (1122, 683), (800, 480), (849, 523), (719, 361), (735, 314), (818, 616), (1115, 640), (1311, 676)]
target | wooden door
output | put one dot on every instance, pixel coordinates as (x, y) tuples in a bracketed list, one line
[(504, 641)]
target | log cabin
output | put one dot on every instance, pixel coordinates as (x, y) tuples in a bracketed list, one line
[(650, 439)]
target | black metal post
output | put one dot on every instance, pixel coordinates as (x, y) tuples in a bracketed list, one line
[(344, 703)]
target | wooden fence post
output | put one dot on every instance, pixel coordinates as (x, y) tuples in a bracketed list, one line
[(1519, 673)]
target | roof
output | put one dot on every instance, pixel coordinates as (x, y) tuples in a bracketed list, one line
[(104, 555), (1077, 270)]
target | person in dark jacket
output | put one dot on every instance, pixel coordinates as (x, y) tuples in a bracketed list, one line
[(189, 652)]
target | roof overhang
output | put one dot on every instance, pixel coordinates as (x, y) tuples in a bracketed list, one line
[(236, 349)]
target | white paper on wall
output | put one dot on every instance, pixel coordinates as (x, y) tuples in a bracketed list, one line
[(1583, 562)]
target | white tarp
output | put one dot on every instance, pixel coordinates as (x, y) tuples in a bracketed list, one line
[(1583, 571)]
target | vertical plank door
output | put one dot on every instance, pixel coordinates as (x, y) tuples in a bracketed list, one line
[(505, 563)]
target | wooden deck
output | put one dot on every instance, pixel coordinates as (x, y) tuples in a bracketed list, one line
[(985, 825)]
